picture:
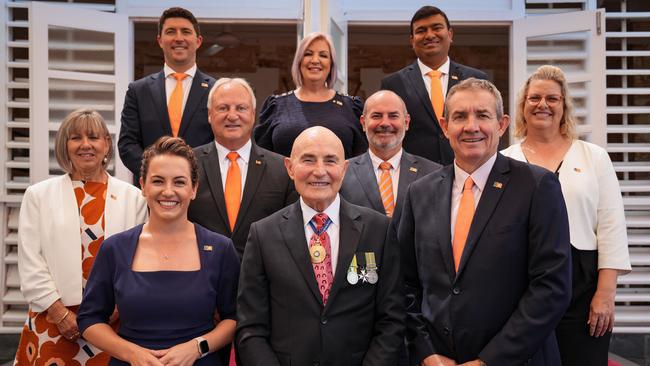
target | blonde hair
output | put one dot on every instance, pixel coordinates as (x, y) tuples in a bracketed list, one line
[(568, 125), (81, 120), (296, 74)]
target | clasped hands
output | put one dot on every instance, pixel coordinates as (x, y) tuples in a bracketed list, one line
[(183, 354)]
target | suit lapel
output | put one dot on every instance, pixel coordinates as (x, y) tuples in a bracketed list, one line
[(256, 167), (492, 192), (408, 172), (365, 173), (454, 75), (293, 233), (442, 212), (213, 172), (197, 91), (414, 77), (349, 235), (157, 89)]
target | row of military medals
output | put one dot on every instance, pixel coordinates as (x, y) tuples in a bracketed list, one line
[(367, 274)]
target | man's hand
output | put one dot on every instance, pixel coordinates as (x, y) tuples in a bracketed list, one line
[(438, 360)]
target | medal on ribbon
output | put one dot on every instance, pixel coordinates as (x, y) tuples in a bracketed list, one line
[(371, 268), (317, 251), (353, 277)]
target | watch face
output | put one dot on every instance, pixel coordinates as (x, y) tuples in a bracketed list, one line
[(204, 346)]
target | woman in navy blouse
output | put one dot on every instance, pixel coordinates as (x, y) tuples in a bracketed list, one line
[(313, 103), (169, 278)]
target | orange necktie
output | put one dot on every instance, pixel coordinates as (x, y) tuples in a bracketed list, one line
[(386, 188), (437, 98), (175, 105), (463, 220), (233, 189)]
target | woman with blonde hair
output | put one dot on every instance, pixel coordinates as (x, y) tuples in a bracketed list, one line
[(313, 103), (63, 223), (546, 123)]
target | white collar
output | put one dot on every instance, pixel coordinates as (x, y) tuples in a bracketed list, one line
[(480, 175), (168, 71), (332, 211), (444, 68), (244, 151), (394, 161)]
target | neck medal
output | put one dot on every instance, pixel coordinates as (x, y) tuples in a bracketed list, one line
[(371, 267), (317, 252)]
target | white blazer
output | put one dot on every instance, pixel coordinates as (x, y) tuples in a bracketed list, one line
[(593, 201), (49, 242)]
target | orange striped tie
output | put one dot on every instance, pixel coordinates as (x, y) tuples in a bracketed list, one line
[(463, 220), (386, 188), (175, 105), (233, 189), (437, 98)]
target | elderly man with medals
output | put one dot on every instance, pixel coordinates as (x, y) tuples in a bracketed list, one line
[(318, 268)]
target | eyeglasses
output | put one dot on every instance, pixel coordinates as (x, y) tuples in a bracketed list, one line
[(551, 100)]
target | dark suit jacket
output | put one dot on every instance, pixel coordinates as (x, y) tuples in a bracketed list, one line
[(514, 279), (281, 318), (145, 118), (360, 185), (266, 190), (425, 137)]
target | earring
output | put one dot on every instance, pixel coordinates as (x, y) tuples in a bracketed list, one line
[(105, 160)]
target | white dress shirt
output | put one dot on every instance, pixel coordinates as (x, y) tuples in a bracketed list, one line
[(394, 172), (444, 78), (593, 202), (333, 230), (224, 163), (480, 177), (170, 82)]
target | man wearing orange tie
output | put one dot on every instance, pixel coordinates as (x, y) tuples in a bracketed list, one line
[(485, 247), (239, 182), (379, 178), (424, 83), (172, 101)]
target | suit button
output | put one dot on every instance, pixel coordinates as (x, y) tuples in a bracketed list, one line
[(446, 331), (323, 320), (455, 290)]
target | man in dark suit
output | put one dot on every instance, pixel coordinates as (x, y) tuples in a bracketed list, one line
[(485, 247), (233, 194), (172, 101), (431, 37), (320, 283), (386, 165)]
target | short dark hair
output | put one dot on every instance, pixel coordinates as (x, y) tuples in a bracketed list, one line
[(174, 146), (177, 12), (428, 11)]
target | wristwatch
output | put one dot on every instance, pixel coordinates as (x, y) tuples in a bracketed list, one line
[(204, 348)]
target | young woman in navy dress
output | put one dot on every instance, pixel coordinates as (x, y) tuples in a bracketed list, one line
[(169, 279)]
